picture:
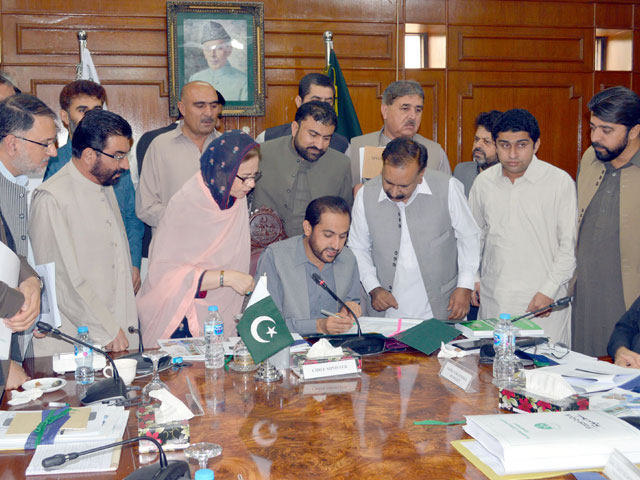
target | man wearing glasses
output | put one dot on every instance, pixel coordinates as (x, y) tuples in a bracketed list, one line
[(76, 223), (301, 167), (27, 141), (77, 98)]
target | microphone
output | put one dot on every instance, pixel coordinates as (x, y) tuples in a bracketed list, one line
[(173, 470), (133, 330), (107, 390), (558, 303), (366, 344)]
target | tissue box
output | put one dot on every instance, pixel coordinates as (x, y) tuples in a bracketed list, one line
[(517, 400), (348, 364), (172, 436)]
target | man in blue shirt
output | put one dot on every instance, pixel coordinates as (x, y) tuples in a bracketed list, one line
[(76, 99)]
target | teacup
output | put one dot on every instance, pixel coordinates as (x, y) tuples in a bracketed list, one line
[(126, 369)]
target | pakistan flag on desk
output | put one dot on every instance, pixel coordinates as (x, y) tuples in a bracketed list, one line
[(262, 328)]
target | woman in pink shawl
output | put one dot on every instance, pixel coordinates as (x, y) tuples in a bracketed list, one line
[(200, 252)]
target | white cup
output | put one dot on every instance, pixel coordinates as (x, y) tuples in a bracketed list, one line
[(126, 368)]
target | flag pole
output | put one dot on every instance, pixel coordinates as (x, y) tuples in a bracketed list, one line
[(328, 40), (82, 44)]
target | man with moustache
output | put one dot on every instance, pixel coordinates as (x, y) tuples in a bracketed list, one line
[(608, 254), (417, 245), (27, 141), (484, 151), (289, 265), (301, 167), (174, 157), (527, 210), (402, 104), (77, 98), (76, 223)]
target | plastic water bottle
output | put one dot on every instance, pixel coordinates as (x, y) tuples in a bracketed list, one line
[(501, 340), (84, 358), (214, 336), (204, 474)]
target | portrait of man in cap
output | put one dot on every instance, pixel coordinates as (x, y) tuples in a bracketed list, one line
[(217, 46)]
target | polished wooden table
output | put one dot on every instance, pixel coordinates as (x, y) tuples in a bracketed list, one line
[(352, 429)]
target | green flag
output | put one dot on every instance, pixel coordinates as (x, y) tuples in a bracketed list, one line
[(348, 124), (262, 328)]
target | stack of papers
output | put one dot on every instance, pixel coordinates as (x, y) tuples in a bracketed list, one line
[(586, 376), (103, 422), (102, 461), (545, 442)]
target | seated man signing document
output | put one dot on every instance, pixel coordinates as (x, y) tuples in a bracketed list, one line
[(289, 265)]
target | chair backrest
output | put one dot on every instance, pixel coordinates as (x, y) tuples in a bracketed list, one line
[(266, 227)]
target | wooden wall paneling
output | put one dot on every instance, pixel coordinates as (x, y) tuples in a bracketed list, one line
[(301, 44), (433, 124), (550, 13), (557, 101), (614, 15), (52, 40), (425, 11), (603, 80), (519, 49)]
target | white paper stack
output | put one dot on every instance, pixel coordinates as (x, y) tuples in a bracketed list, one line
[(551, 441), (102, 461), (106, 423)]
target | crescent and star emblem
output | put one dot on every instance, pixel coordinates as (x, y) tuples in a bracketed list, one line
[(271, 331)]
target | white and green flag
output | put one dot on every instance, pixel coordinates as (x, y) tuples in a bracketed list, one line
[(262, 328)]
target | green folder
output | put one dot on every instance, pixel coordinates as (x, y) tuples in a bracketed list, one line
[(427, 336)]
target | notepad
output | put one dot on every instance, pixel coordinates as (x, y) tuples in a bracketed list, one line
[(103, 461), (26, 422)]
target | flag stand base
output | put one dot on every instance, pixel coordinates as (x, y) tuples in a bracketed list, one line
[(267, 373)]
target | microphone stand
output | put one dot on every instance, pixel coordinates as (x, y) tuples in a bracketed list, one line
[(107, 390), (362, 344), (174, 470), (558, 303)]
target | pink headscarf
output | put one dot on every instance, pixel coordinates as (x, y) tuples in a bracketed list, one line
[(194, 235)]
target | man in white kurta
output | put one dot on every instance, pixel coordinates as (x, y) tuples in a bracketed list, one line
[(527, 211), (76, 223)]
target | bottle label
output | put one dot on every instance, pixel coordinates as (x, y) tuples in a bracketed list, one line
[(500, 339), (218, 329)]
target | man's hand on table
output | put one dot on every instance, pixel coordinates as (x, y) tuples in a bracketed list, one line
[(118, 344)]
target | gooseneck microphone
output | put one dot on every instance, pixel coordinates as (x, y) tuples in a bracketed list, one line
[(363, 344), (558, 303), (318, 279), (173, 470), (107, 390)]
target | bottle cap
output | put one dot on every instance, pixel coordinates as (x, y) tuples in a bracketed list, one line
[(83, 329), (505, 316), (213, 308), (204, 474)]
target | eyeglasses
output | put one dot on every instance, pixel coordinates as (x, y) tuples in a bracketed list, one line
[(255, 178), (118, 156), (50, 143)]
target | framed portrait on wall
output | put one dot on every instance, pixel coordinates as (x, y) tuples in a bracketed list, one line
[(221, 43)]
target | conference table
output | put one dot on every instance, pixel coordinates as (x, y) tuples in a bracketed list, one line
[(359, 428)]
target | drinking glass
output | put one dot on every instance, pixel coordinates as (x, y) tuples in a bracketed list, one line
[(155, 383), (202, 452)]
